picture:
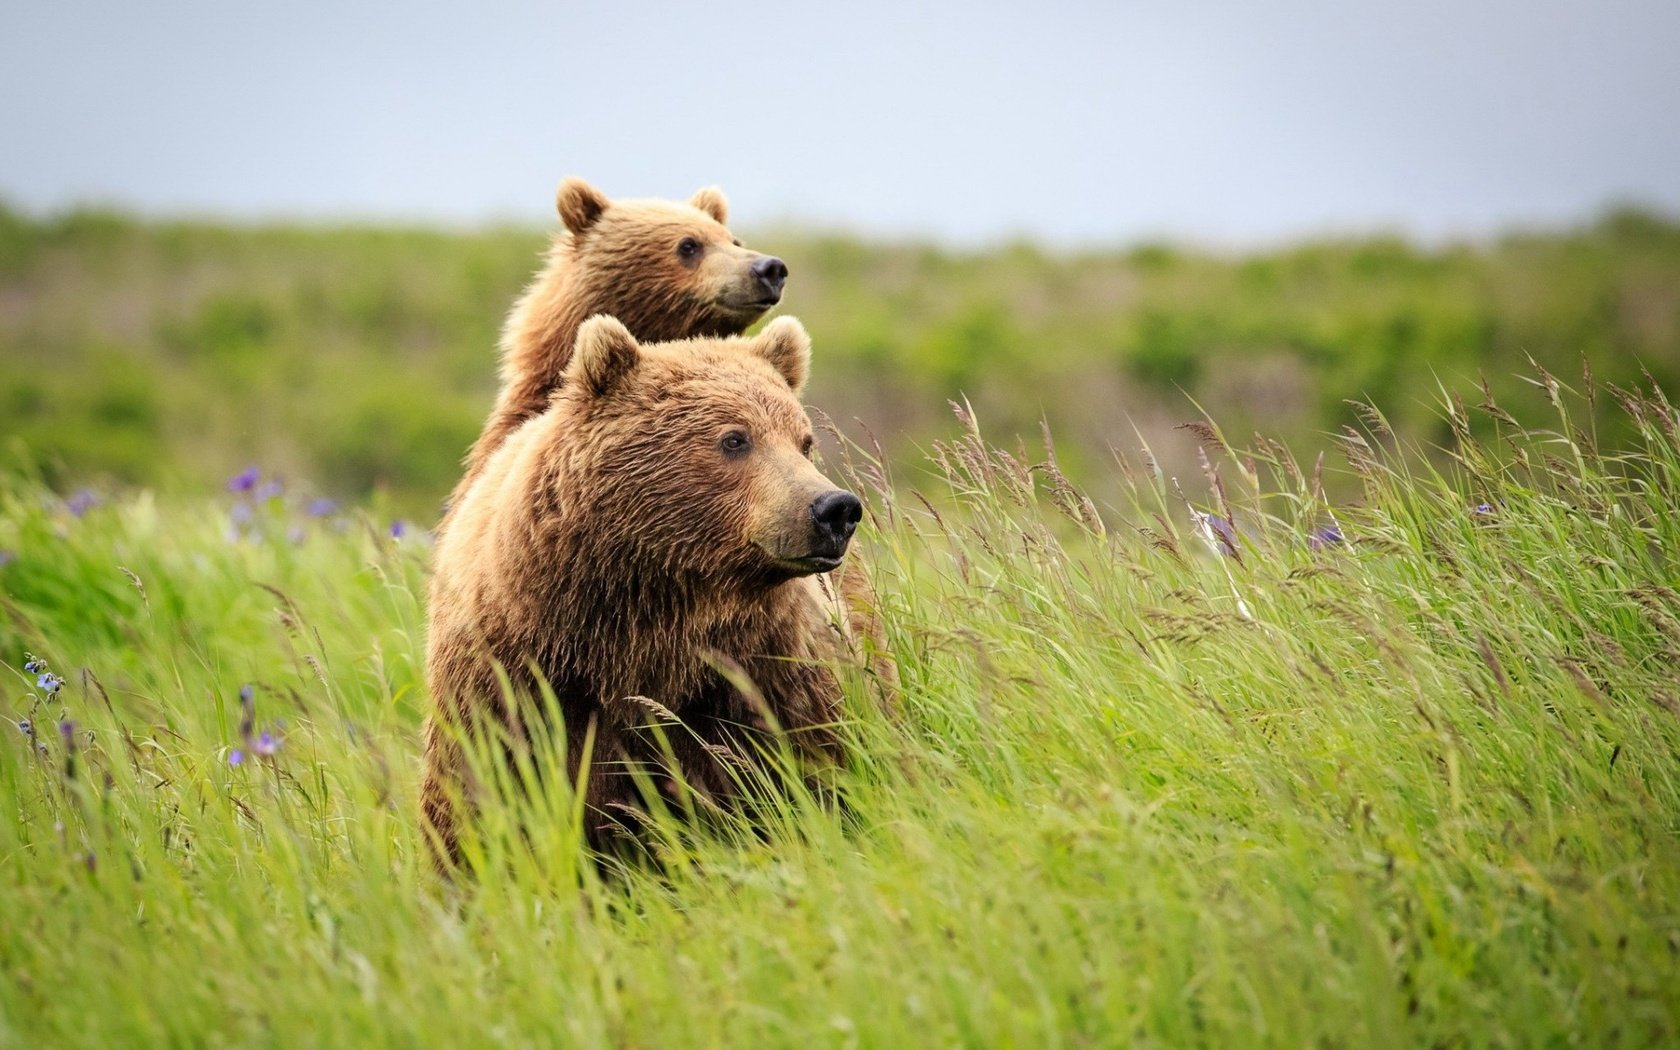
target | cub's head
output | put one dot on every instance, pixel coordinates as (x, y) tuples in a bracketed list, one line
[(694, 456), (667, 270)]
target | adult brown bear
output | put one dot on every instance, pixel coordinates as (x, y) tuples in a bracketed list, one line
[(659, 527)]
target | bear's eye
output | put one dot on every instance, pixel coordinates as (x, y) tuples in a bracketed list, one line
[(688, 248), (806, 446), (735, 443), (736, 242)]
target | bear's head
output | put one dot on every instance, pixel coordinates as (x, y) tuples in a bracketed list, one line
[(668, 270), (694, 456)]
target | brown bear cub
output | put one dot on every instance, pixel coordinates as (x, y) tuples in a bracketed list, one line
[(665, 270), (657, 534)]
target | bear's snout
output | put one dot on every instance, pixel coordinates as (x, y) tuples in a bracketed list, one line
[(835, 515), (772, 275)]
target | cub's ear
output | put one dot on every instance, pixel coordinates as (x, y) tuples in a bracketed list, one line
[(579, 203), (712, 201), (605, 353), (784, 344)]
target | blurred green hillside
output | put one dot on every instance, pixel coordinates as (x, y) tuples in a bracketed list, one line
[(363, 358)]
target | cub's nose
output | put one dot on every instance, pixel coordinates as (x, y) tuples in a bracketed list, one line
[(772, 274), (836, 515)]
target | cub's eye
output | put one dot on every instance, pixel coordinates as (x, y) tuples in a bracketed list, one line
[(736, 242), (688, 248), (735, 443), (806, 446)]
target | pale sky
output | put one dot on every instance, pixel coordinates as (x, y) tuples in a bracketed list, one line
[(1072, 123)]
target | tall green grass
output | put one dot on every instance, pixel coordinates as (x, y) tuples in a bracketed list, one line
[(1419, 787)]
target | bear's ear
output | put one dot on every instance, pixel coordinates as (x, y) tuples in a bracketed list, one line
[(605, 353), (712, 201), (784, 344), (579, 204)]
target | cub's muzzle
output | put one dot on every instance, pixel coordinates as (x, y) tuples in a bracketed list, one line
[(771, 273)]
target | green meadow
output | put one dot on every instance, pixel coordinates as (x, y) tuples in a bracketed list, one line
[(1393, 762)]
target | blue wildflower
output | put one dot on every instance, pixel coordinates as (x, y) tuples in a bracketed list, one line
[(321, 508), (67, 730), (245, 480), (7, 557), (34, 666), (1324, 536), (399, 529), (268, 490), (1482, 509), (26, 727), (49, 683), (1216, 532), (262, 745), (81, 501)]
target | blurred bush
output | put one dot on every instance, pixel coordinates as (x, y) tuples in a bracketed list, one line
[(364, 358)]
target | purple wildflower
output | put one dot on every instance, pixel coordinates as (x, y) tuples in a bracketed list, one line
[(245, 480), (49, 683), (1216, 532), (1324, 536), (321, 508), (34, 666), (1482, 509), (240, 514), (268, 490), (26, 727), (399, 529), (81, 501), (7, 557), (262, 745), (67, 730)]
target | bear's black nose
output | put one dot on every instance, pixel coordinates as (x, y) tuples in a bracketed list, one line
[(772, 274), (836, 515)]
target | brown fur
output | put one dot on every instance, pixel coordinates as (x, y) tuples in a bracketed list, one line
[(611, 547), (619, 258)]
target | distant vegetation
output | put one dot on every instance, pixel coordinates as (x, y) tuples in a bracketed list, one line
[(362, 358)]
